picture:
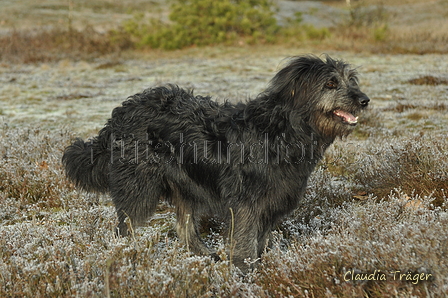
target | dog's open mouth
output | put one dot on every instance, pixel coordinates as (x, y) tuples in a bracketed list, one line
[(346, 117)]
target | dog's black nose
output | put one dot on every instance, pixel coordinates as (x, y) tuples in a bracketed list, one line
[(363, 100)]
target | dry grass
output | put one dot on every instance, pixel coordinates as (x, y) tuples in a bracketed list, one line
[(398, 27)]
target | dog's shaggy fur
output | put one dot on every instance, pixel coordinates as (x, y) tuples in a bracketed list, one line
[(247, 163)]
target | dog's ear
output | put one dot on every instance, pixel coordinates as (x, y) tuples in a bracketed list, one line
[(298, 99), (296, 81)]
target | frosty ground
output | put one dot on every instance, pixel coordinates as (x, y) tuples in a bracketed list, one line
[(377, 202)]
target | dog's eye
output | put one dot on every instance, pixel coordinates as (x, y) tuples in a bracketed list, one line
[(331, 85)]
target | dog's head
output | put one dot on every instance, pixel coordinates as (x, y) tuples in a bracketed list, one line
[(322, 94)]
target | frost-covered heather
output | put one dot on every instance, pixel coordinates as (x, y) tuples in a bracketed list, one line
[(414, 162), (396, 234), (376, 207)]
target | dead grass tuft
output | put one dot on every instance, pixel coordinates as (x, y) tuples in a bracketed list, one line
[(41, 45), (428, 80), (408, 105)]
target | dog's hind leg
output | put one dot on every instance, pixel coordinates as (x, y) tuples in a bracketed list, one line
[(264, 238), (245, 246), (135, 191), (186, 227)]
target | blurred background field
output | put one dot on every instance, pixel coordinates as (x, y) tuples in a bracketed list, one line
[(378, 200), (42, 30)]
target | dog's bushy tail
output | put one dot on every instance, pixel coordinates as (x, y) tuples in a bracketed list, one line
[(87, 164)]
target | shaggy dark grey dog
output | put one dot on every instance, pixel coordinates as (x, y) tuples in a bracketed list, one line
[(247, 163)]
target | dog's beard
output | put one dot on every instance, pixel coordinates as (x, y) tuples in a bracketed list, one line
[(335, 115)]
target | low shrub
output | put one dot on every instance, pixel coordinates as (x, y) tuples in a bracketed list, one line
[(202, 22)]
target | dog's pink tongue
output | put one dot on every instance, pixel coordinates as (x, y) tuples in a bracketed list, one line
[(346, 117)]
